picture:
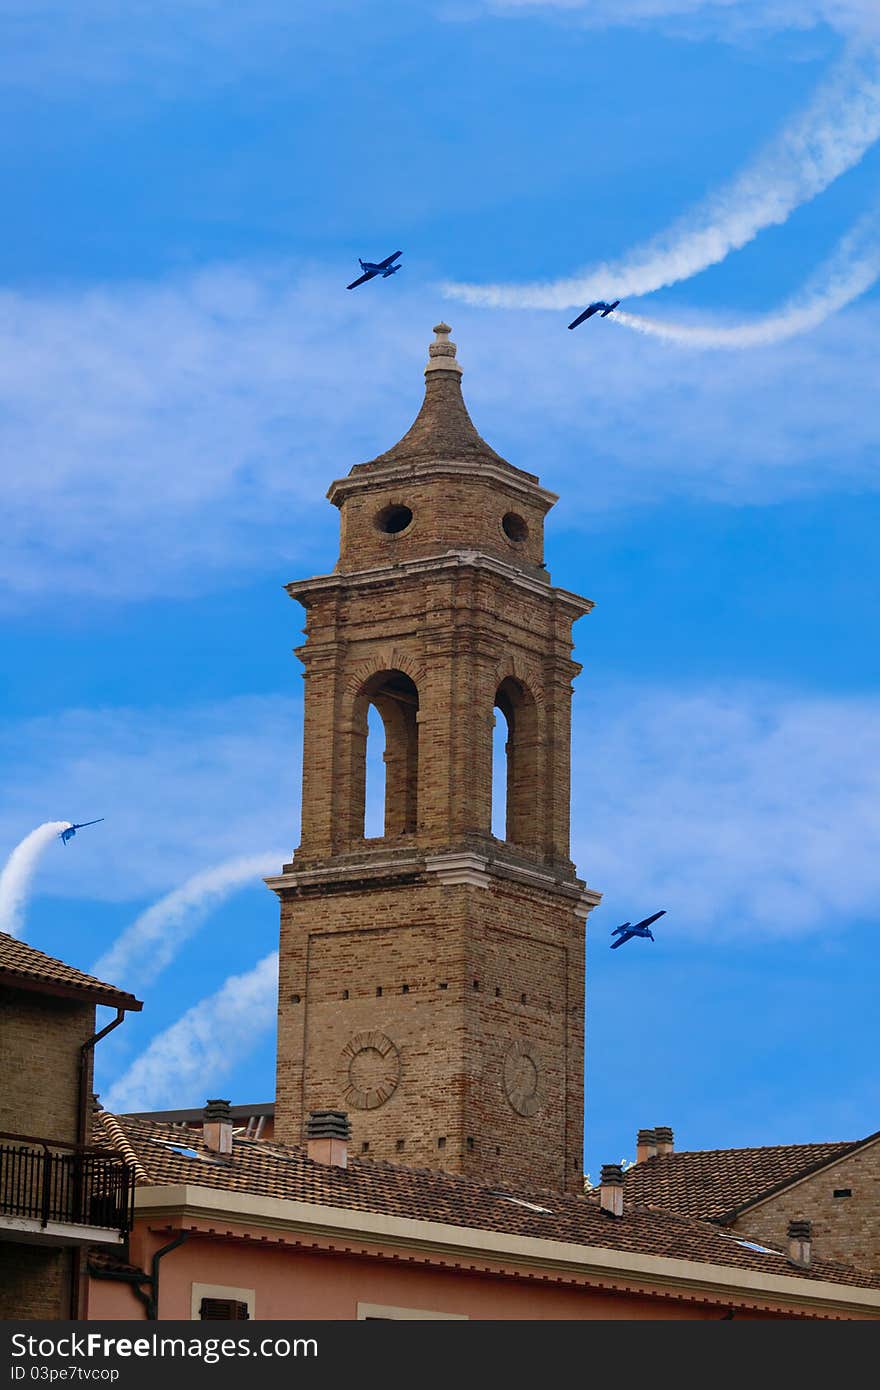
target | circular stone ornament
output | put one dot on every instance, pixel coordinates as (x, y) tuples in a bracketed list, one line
[(373, 1070), (521, 1078)]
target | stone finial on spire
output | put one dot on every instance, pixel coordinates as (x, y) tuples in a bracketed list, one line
[(441, 353)]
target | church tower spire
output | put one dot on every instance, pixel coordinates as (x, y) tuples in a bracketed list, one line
[(432, 979)]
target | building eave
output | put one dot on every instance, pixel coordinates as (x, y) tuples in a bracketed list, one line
[(660, 1275), (62, 989)]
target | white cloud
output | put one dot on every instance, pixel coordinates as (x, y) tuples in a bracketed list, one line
[(160, 433), (819, 144), (651, 420), (190, 1059), (851, 270), (750, 811), (180, 790), (16, 876), (728, 18), (144, 949), (755, 808), (175, 437)]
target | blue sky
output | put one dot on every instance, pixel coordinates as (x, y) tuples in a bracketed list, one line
[(182, 374)]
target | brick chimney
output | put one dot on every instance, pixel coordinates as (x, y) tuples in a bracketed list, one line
[(611, 1189), (646, 1145), (217, 1127), (800, 1243), (327, 1136), (665, 1140)]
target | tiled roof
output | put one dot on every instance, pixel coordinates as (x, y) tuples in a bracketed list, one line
[(714, 1183), (264, 1168), (24, 965), (443, 429)]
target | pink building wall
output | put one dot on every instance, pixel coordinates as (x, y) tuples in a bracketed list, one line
[(294, 1284)]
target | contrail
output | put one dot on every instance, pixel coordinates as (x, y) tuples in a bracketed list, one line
[(153, 940), (15, 878), (192, 1056), (851, 270), (829, 137)]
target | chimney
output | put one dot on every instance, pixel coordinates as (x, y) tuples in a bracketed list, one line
[(646, 1145), (327, 1136), (665, 1140), (611, 1189), (800, 1243), (217, 1127)]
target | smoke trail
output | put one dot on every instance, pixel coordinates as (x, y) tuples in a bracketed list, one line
[(154, 938), (849, 272), (829, 137), (190, 1058), (15, 879)]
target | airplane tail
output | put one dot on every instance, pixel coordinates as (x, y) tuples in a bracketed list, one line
[(610, 308), (620, 929)]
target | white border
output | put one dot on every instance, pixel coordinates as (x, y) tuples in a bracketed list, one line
[(387, 1311)]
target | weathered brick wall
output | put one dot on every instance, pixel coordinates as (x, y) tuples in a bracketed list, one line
[(475, 997), (40, 1041), (446, 1016), (457, 632), (448, 513), (844, 1228), (34, 1282)]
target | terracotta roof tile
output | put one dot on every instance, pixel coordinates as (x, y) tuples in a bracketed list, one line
[(713, 1183), (24, 965), (443, 429), (268, 1169)]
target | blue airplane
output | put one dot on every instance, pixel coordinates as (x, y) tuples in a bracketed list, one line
[(643, 928), (599, 306), (374, 268), (71, 830)]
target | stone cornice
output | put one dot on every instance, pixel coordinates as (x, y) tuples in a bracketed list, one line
[(438, 564), (466, 866), (451, 869), (346, 878), (380, 476)]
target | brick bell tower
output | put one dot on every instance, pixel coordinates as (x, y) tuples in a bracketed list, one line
[(432, 980)]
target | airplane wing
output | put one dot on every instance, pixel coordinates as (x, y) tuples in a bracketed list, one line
[(594, 308), (383, 265), (368, 275), (646, 922), (621, 941)]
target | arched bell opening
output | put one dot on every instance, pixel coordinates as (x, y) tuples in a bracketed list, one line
[(395, 699), (515, 765)]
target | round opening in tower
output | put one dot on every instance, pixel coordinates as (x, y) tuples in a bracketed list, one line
[(394, 519), (514, 527)]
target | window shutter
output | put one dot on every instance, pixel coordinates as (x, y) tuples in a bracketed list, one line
[(223, 1309)]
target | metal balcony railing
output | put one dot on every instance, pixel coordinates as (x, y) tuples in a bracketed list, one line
[(47, 1180)]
